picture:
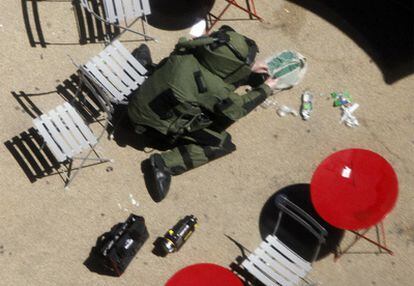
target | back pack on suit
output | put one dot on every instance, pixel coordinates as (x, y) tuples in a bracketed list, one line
[(184, 91)]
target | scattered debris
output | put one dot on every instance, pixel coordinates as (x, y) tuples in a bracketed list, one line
[(341, 98), (307, 105), (281, 110), (284, 110), (344, 100), (269, 103), (347, 117), (133, 201)]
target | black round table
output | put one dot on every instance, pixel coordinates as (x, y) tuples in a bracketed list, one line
[(178, 14)]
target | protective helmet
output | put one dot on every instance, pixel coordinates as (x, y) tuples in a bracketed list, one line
[(230, 55)]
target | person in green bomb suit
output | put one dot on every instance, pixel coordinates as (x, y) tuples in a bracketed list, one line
[(189, 97)]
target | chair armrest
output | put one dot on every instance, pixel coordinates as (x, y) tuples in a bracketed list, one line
[(302, 217)]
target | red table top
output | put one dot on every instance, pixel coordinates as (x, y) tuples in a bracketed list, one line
[(204, 274), (354, 189)]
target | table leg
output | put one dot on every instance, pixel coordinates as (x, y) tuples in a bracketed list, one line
[(340, 252), (250, 10), (359, 235), (383, 247)]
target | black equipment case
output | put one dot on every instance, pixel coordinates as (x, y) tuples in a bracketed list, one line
[(121, 244)]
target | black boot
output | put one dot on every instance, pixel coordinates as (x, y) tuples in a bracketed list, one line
[(143, 55), (160, 178)]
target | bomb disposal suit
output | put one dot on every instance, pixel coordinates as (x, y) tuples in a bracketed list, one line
[(191, 94)]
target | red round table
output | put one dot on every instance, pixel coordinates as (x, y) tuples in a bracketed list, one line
[(354, 189), (204, 274)]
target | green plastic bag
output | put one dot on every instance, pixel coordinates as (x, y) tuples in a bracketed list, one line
[(289, 67)]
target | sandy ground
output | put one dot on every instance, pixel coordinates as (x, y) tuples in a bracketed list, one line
[(46, 233)]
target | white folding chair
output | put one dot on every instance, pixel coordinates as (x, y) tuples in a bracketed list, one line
[(67, 136), (275, 264), (112, 76), (122, 13)]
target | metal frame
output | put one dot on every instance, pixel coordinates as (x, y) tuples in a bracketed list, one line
[(291, 209), (120, 12), (250, 9), (112, 76), (380, 235), (274, 263), (67, 136)]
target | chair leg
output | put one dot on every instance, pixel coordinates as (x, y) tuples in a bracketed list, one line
[(68, 175), (83, 160), (116, 124), (78, 92), (100, 159)]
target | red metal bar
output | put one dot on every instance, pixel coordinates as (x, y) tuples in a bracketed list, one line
[(253, 6), (234, 3), (373, 242), (359, 235), (218, 18), (383, 234), (337, 256)]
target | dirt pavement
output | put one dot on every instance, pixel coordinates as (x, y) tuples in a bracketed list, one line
[(46, 233)]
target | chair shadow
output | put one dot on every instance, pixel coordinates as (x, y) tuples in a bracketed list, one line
[(90, 29), (290, 232), (245, 277), (179, 14), (81, 98), (125, 135), (384, 30), (36, 160), (27, 148)]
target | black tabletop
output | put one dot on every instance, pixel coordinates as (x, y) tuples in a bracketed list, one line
[(178, 14)]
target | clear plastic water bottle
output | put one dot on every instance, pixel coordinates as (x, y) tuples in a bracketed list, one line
[(307, 105)]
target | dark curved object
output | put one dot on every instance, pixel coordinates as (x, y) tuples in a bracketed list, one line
[(290, 232), (178, 14), (384, 29)]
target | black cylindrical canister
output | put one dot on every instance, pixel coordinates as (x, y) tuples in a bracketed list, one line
[(175, 237)]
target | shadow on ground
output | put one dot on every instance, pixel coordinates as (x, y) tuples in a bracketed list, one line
[(36, 160), (179, 14), (28, 148), (384, 29), (290, 231), (124, 134), (90, 29)]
